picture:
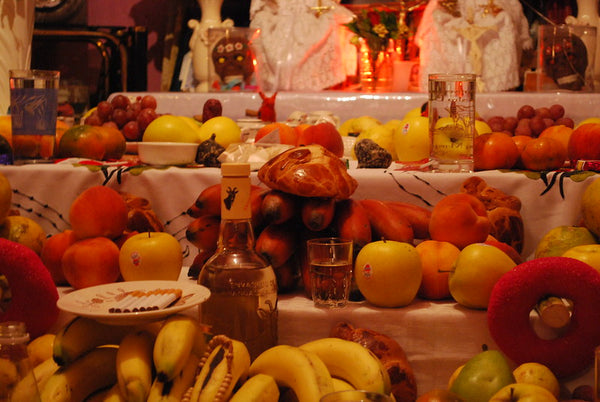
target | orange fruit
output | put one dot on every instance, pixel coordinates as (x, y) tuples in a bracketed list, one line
[(25, 231), (114, 142), (287, 134), (98, 211), (53, 251), (83, 141), (561, 133), (543, 153)]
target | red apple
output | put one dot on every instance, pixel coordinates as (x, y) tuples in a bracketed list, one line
[(584, 142), (507, 248)]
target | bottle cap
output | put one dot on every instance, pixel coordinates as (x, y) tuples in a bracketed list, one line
[(235, 169)]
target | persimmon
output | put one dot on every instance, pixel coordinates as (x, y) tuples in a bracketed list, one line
[(325, 134), (520, 141), (495, 150), (543, 153)]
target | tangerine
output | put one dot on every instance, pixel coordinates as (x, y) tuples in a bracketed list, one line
[(287, 134), (83, 141), (543, 153)]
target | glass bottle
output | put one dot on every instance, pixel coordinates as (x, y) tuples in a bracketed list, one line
[(17, 381), (243, 300)]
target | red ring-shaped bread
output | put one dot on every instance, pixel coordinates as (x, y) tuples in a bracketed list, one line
[(517, 293), (34, 293)]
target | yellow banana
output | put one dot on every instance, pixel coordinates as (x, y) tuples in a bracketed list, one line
[(113, 394), (41, 348), (134, 366), (179, 336), (341, 385), (173, 390), (225, 362), (41, 372), (351, 362), (9, 376), (95, 370), (258, 388), (83, 334), (295, 368)]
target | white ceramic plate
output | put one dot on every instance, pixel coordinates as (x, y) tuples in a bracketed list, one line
[(94, 302)]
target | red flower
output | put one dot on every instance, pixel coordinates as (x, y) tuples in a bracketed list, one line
[(374, 17)]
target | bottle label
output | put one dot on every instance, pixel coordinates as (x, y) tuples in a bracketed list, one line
[(235, 198)]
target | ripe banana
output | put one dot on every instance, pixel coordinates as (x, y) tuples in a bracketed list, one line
[(295, 368), (317, 212), (278, 206), (258, 388), (113, 394), (179, 336), (134, 366), (9, 375), (41, 372), (208, 202), (341, 385), (351, 362), (40, 348), (203, 232), (352, 222), (386, 222), (83, 334), (173, 390), (277, 243), (95, 370), (225, 362)]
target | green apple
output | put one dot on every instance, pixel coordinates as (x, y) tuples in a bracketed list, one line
[(588, 253), (411, 139), (388, 273), (150, 256), (590, 207), (482, 376), (476, 270), (226, 131), (382, 135), (522, 392), (356, 125), (538, 374), (169, 128), (5, 197), (561, 238)]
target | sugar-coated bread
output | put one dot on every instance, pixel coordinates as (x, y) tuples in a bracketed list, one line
[(391, 354), (308, 171)]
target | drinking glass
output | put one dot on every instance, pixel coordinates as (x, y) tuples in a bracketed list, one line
[(330, 262), (452, 121), (33, 110)]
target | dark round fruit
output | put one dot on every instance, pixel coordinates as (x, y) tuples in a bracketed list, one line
[(525, 112), (120, 102), (557, 111)]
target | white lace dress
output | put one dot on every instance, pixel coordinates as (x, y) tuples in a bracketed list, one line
[(479, 38)]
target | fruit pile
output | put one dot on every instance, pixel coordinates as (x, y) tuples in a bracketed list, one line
[(131, 118), (172, 358)]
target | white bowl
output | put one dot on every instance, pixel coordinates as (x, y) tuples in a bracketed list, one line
[(167, 153)]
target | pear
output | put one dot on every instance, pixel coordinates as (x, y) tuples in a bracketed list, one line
[(482, 376)]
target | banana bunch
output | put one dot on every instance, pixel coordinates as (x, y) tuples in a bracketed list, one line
[(312, 370)]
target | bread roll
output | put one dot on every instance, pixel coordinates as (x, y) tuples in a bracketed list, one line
[(391, 354), (308, 171)]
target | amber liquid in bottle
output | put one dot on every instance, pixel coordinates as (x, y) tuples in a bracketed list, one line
[(243, 300)]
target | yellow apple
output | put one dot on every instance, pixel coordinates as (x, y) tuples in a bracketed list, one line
[(588, 253), (451, 139), (522, 392), (356, 125), (481, 127), (476, 271), (388, 273), (150, 256), (226, 130), (411, 139), (538, 374), (588, 120), (169, 128), (415, 112), (193, 123)]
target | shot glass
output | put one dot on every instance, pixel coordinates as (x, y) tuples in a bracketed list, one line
[(355, 396), (452, 121), (33, 109), (330, 262)]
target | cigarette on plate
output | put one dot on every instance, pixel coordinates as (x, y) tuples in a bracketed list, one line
[(140, 301)]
